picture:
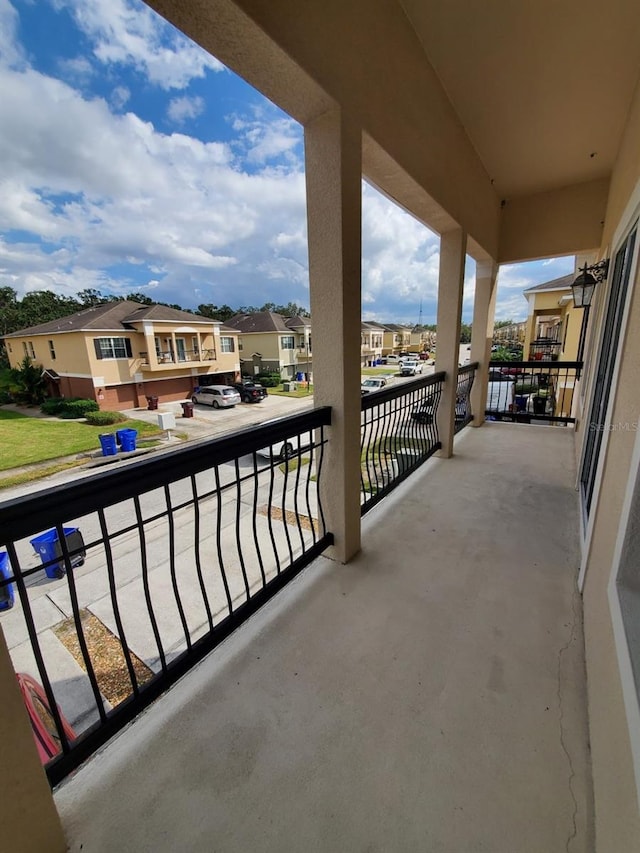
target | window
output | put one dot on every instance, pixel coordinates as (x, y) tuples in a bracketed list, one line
[(288, 342), (28, 349), (112, 347), (226, 345), (52, 350)]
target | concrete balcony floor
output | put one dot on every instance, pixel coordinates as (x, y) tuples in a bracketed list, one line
[(429, 696)]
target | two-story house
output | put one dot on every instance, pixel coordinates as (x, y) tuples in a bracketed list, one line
[(395, 339), (271, 343), (371, 336), (553, 325), (120, 353)]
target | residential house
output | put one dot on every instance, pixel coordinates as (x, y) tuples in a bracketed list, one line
[(120, 353), (395, 338), (553, 324), (511, 334), (422, 340), (470, 678), (271, 343), (371, 336)]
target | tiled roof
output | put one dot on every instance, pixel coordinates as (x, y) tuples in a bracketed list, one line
[(110, 317), (562, 283), (260, 321), (163, 313)]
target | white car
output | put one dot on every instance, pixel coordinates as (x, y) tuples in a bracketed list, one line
[(372, 383), (410, 366), (218, 396)]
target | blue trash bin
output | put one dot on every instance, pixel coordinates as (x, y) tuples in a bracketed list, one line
[(47, 545), (300, 377), (108, 444), (127, 439), (6, 592)]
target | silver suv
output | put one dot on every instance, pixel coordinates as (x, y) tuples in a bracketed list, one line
[(218, 396)]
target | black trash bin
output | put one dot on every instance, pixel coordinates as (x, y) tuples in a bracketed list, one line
[(152, 404), (187, 409)]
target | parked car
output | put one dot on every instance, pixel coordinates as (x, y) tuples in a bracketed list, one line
[(372, 383), (218, 396), (391, 359), (410, 366), (250, 391)]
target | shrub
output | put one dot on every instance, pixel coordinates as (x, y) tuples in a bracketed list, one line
[(77, 408), (5, 397), (105, 418), (53, 405), (269, 380)]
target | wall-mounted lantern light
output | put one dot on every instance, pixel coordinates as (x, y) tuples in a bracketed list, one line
[(585, 283)]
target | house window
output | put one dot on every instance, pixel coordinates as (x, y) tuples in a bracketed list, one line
[(288, 342), (112, 347), (226, 345), (28, 349), (52, 350), (240, 347)]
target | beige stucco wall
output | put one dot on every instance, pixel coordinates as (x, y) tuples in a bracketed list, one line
[(70, 348), (616, 803), (562, 222)]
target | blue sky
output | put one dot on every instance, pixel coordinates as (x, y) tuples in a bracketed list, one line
[(131, 160)]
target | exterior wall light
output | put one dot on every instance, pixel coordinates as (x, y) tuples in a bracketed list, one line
[(585, 283)]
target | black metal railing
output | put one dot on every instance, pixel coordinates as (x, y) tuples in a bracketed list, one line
[(529, 391), (398, 433), (180, 357), (466, 377), (139, 572), (544, 350)]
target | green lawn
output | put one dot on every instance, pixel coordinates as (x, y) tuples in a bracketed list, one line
[(25, 440), (300, 392)]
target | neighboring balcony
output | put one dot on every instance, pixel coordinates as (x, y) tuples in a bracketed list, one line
[(170, 360)]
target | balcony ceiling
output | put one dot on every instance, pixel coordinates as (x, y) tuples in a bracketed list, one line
[(542, 88)]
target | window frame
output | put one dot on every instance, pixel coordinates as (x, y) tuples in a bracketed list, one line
[(101, 355)]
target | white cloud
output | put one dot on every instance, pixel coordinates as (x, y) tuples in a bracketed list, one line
[(264, 138), (11, 52), (123, 32), (181, 109), (77, 69), (117, 191), (119, 97)]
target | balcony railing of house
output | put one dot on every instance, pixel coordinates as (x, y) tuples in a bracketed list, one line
[(530, 391), (198, 355), (139, 572), (398, 434), (466, 377), (544, 350)]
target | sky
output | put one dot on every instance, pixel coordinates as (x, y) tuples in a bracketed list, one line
[(133, 161)]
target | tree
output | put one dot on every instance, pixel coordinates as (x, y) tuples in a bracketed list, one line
[(90, 297), (223, 313), (41, 306), (142, 298), (500, 324), (465, 333), (26, 382)]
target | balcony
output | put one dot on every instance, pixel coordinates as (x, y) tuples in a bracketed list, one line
[(429, 695), (169, 360)]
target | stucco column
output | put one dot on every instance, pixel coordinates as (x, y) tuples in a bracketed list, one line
[(484, 305), (333, 154), (453, 247), (30, 822)]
